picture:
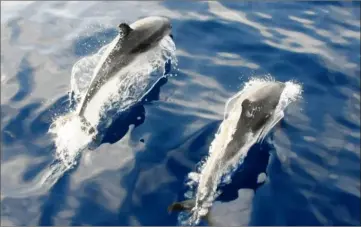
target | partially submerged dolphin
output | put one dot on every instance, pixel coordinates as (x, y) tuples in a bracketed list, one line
[(133, 40), (256, 119)]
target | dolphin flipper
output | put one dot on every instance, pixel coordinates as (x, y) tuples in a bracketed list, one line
[(187, 205)]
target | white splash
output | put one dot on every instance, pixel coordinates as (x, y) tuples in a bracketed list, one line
[(125, 89), (213, 168)]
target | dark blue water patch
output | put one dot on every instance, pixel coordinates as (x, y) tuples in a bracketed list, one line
[(299, 64), (278, 211), (15, 129), (208, 31), (330, 203), (352, 46), (345, 25), (313, 90), (281, 69), (319, 76), (269, 6), (198, 147), (57, 193), (88, 45), (353, 139), (247, 45), (300, 181), (154, 93), (176, 168), (264, 209), (337, 79), (135, 116), (257, 53), (91, 210), (33, 170), (42, 122), (194, 150), (345, 165), (355, 8), (91, 213), (292, 130), (204, 136), (25, 80), (342, 120), (152, 209), (325, 3), (211, 70), (128, 182)]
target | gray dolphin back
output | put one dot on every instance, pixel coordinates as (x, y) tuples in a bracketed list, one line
[(258, 108)]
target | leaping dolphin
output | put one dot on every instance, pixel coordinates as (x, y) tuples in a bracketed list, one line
[(255, 120), (133, 40)]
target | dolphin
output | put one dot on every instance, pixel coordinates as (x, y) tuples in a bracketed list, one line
[(134, 39), (257, 109)]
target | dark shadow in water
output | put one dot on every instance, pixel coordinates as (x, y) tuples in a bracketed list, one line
[(133, 116), (246, 175)]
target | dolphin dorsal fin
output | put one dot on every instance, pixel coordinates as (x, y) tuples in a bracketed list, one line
[(125, 29)]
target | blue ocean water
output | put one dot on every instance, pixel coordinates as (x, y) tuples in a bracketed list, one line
[(312, 158)]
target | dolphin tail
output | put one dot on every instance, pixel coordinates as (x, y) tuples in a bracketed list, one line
[(187, 205)]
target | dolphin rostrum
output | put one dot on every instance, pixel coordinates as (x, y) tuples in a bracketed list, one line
[(255, 120), (133, 40)]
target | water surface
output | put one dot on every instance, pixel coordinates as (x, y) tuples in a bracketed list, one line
[(312, 158)]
